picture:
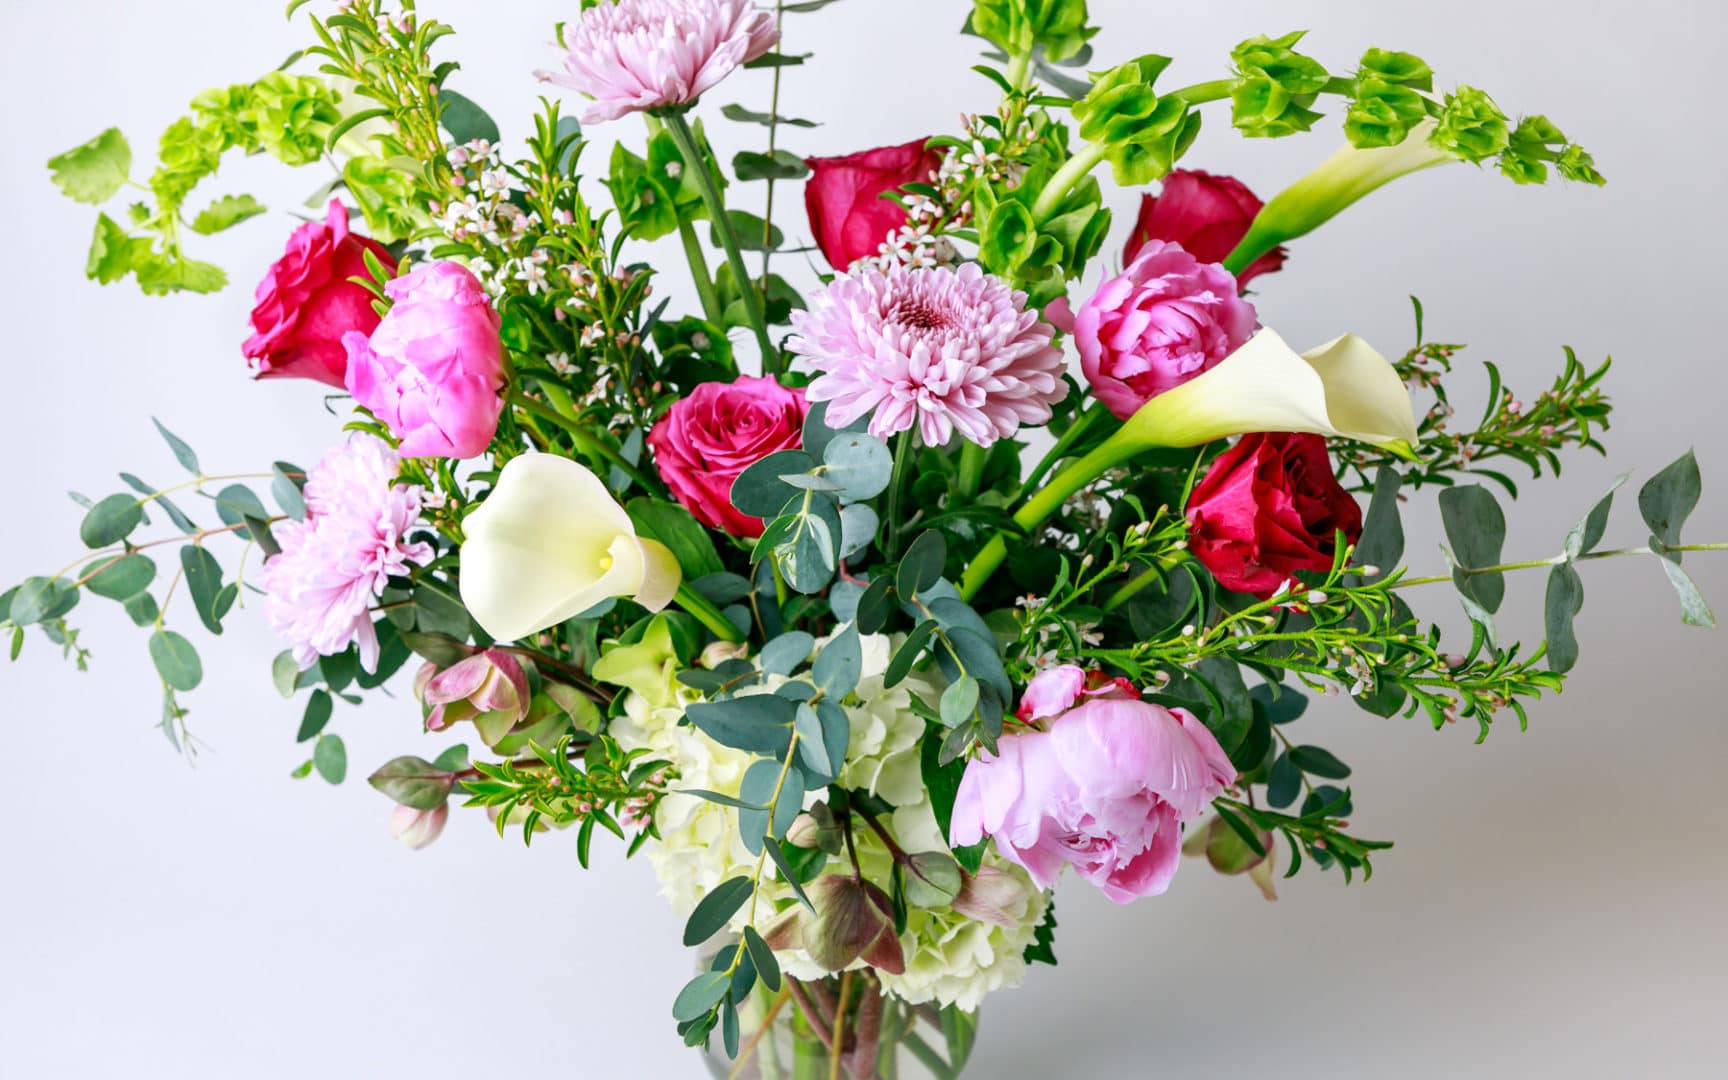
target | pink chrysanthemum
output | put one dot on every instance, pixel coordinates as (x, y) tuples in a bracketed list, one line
[(320, 587), (943, 350), (634, 55)]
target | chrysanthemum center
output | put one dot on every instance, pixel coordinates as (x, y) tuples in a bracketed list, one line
[(920, 314)]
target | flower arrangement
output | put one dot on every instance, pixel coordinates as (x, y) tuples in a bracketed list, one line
[(862, 603)]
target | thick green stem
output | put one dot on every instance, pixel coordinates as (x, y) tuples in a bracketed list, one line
[(679, 128), (707, 614), (711, 309), (584, 439), (1072, 172), (1536, 564), (1046, 502), (1201, 93), (1084, 423), (1152, 573), (972, 459)]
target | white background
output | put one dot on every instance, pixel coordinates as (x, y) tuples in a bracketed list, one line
[(1555, 902)]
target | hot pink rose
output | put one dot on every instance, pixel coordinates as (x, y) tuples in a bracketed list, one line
[(1105, 788), (705, 440), (306, 302), (1166, 318), (844, 197), (1208, 215), (432, 370)]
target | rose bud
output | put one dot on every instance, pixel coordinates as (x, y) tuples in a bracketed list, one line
[(707, 439), (849, 215), (490, 688), (431, 371), (1268, 507), (1208, 215), (417, 828), (305, 304)]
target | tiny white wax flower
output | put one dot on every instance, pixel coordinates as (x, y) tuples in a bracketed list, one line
[(549, 543)]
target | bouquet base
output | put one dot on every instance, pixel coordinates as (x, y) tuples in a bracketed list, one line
[(790, 1035)]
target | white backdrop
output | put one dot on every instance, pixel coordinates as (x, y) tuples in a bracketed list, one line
[(1554, 905)]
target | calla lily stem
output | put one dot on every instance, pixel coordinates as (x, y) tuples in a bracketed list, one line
[(707, 614)]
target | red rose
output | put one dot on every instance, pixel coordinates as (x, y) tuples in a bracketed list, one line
[(1208, 215), (844, 197), (1268, 507), (705, 440), (306, 302)]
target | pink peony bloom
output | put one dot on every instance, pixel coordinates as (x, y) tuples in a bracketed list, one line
[(306, 302), (635, 55), (319, 588), (938, 349), (705, 440), (432, 370), (1166, 318), (1105, 789)]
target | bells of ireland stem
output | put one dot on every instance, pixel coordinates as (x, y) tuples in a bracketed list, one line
[(549, 543), (1342, 389), (1339, 181)]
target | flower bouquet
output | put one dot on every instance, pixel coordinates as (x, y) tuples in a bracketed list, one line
[(865, 599)]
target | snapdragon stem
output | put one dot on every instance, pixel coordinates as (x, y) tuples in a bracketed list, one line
[(711, 309), (679, 129), (707, 613), (584, 439), (1535, 564)]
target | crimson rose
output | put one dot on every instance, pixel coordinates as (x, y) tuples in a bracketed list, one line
[(306, 302), (1268, 507), (705, 440), (844, 197), (1208, 215)]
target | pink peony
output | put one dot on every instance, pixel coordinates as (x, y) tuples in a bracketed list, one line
[(943, 350), (705, 440), (1105, 788), (319, 588), (1166, 318), (635, 55), (306, 302), (432, 370)]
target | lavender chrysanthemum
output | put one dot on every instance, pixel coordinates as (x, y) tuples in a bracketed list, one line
[(634, 55), (320, 587), (943, 350)]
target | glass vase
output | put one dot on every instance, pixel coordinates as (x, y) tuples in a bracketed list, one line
[(789, 1035)]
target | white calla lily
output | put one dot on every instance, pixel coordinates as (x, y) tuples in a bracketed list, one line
[(549, 543), (1342, 389)]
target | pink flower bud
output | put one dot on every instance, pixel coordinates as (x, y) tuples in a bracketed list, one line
[(993, 896), (417, 828)]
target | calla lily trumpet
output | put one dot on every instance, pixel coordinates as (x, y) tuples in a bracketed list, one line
[(549, 543), (1342, 389)]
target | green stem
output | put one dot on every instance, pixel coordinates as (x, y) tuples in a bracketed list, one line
[(583, 438), (1201, 93), (1042, 505), (925, 1053), (1152, 573), (1072, 172), (1076, 431), (711, 309), (773, 134), (679, 128), (707, 614), (1534, 564), (972, 459), (904, 451)]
